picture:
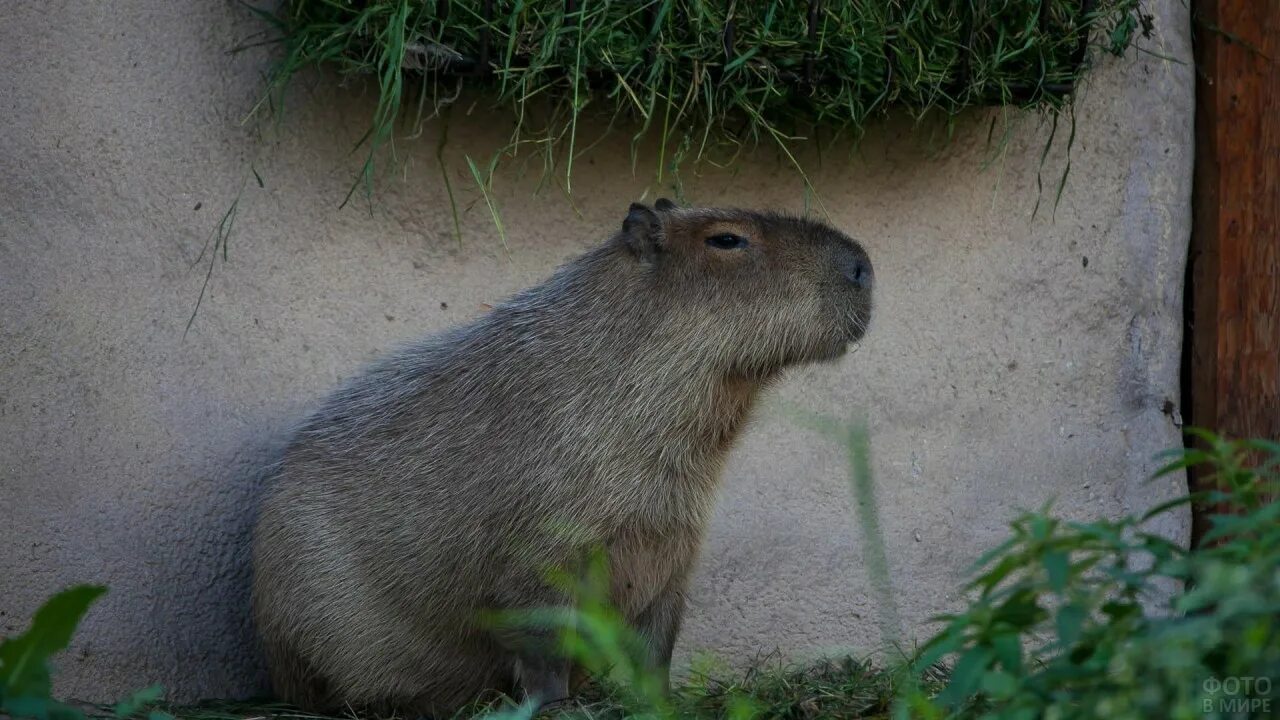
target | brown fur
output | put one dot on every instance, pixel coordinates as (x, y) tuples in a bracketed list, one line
[(441, 481)]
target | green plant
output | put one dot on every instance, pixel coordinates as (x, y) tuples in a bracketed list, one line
[(1061, 624), (852, 434), (593, 634), (706, 78), (25, 685)]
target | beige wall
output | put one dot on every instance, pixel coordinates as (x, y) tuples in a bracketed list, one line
[(1001, 370)]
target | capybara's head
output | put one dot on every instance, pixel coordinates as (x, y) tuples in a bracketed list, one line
[(763, 290)]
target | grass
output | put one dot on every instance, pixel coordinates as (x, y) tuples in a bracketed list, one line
[(707, 79), (834, 688)]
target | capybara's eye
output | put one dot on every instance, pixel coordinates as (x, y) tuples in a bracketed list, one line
[(727, 241)]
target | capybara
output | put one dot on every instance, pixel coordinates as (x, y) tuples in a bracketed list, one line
[(595, 409)]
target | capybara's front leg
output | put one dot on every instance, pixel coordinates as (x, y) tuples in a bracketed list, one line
[(659, 625), (543, 678)]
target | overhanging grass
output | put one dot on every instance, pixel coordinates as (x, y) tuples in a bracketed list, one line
[(706, 79)]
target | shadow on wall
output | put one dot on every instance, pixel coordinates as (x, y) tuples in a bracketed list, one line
[(200, 562)]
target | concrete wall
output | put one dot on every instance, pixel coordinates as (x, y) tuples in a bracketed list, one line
[(1013, 359)]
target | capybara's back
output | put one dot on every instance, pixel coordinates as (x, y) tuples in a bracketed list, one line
[(594, 409)]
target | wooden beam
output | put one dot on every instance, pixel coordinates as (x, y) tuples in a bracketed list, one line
[(1234, 290)]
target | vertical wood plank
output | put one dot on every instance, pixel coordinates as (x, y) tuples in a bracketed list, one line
[(1235, 247)]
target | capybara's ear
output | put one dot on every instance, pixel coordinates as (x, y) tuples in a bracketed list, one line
[(642, 231), (664, 205)]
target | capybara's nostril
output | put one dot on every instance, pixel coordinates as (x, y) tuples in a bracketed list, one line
[(858, 272)]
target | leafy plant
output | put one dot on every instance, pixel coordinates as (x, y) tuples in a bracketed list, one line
[(25, 684), (1059, 625), (594, 635)]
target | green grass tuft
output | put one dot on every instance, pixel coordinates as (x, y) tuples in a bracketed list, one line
[(707, 78)]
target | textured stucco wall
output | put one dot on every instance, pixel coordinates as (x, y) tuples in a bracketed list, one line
[(1003, 368)]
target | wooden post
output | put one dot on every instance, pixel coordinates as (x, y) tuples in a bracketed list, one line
[(1234, 291)]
